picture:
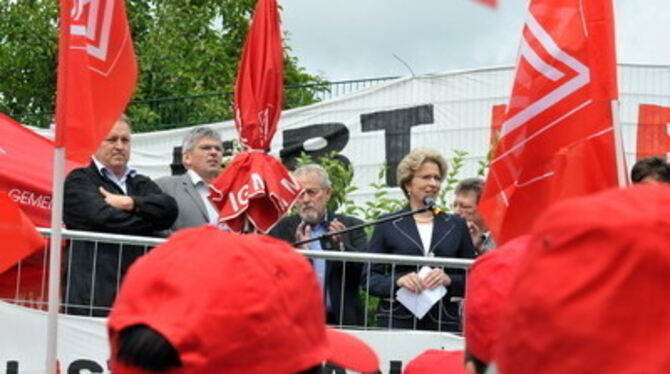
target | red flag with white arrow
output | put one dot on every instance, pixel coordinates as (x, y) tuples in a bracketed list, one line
[(558, 137)]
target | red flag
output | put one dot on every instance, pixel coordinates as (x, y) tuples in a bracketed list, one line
[(97, 71), (259, 86), (653, 131), (558, 136), (256, 188), (26, 162), (19, 237)]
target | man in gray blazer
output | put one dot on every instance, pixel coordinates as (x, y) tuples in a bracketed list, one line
[(202, 151)]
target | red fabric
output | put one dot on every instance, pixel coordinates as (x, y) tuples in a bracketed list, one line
[(26, 160), (96, 74), (435, 361), (255, 187), (259, 86), (591, 296), (19, 237), (235, 304), (653, 131), (490, 3), (26, 164), (497, 119), (557, 139), (489, 285)]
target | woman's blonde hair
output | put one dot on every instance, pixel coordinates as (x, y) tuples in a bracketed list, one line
[(413, 161)]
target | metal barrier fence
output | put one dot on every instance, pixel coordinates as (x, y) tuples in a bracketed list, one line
[(190, 110), (26, 284)]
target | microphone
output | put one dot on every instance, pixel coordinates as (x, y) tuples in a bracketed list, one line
[(428, 202)]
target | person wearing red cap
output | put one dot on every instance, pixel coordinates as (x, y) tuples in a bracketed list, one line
[(591, 296), (218, 302), (435, 361), (489, 284)]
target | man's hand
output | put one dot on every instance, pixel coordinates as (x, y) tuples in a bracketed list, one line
[(122, 202), (336, 225), (436, 277), (303, 232), (475, 234), (411, 281)]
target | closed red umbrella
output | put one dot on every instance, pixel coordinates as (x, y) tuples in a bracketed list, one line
[(256, 189)]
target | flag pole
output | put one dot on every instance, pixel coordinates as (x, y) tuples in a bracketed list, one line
[(57, 193), (622, 170), (55, 260)]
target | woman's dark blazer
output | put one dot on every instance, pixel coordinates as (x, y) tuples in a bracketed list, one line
[(451, 238)]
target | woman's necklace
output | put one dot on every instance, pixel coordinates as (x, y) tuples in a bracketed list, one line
[(423, 219)]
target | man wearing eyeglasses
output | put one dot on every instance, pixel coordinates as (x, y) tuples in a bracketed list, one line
[(339, 281), (202, 151)]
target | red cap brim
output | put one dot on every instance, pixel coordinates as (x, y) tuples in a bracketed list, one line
[(351, 353)]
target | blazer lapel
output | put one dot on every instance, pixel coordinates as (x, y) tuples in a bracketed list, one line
[(442, 227), (191, 191), (407, 228)]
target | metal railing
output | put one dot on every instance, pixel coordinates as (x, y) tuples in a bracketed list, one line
[(369, 303), (190, 110)]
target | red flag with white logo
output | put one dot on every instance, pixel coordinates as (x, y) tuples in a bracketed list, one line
[(255, 189), (558, 137), (96, 74)]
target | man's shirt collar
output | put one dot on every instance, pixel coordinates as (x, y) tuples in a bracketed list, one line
[(195, 178)]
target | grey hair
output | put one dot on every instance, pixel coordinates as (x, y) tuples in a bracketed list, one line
[(196, 134), (413, 161), (316, 169), (124, 118), (470, 184)]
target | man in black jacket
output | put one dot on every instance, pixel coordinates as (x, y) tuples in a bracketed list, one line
[(108, 196), (339, 282)]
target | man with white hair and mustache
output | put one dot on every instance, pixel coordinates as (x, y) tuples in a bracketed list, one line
[(340, 282)]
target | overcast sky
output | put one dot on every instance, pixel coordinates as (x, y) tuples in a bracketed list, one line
[(349, 39)]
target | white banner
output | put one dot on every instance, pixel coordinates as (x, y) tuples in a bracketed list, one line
[(83, 346), (446, 111)]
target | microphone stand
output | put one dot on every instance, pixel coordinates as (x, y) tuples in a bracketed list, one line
[(366, 224)]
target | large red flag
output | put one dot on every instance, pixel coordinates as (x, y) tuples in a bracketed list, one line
[(19, 237), (96, 73), (256, 189), (558, 138)]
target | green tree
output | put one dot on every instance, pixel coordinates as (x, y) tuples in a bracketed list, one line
[(188, 47)]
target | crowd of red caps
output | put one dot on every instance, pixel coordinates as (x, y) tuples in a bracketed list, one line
[(235, 304), (586, 292)]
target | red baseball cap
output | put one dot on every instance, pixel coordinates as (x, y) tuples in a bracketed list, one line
[(489, 284), (435, 361), (235, 304), (591, 296)]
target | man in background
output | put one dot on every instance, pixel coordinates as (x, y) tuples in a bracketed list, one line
[(202, 151), (340, 282), (467, 195), (110, 197), (649, 170)]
